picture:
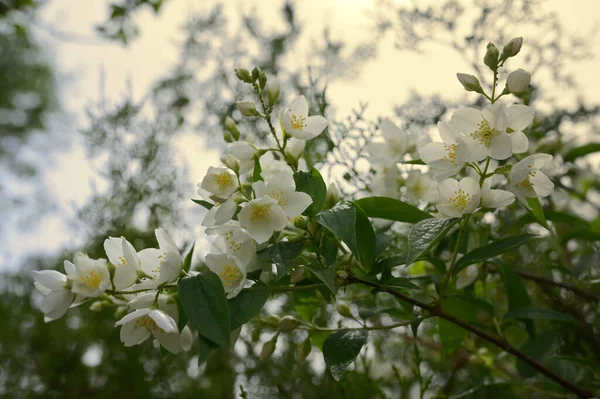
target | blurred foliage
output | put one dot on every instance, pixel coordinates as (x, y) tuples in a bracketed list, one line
[(144, 188)]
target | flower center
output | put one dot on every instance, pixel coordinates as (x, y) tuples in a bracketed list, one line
[(122, 261), (527, 182), (260, 212), (280, 196), (92, 280), (223, 180), (460, 199), (297, 122), (147, 323), (230, 274), (450, 156), (485, 133)]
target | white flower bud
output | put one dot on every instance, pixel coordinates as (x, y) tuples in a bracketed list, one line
[(232, 128), (287, 324), (512, 48), (303, 350), (469, 82), (273, 90), (518, 81), (344, 310), (247, 108), (268, 349), (231, 162), (297, 275)]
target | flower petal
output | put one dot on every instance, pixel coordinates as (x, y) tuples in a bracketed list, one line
[(50, 279), (501, 146), (519, 116), (465, 120), (520, 142)]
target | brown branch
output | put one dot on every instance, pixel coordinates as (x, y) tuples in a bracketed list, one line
[(480, 333)]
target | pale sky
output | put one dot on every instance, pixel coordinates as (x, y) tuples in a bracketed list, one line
[(383, 82)]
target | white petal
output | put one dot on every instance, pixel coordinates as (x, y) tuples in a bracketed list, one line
[(130, 335), (259, 188), (440, 174), (297, 203), (446, 189), (50, 279), (171, 341), (433, 153), (150, 261), (315, 125), (469, 186), (542, 185), (466, 277), (496, 116), (44, 290), (519, 116), (142, 301), (500, 146), (136, 314), (473, 203), (164, 241), (114, 250), (449, 210), (163, 321), (56, 303), (496, 198), (70, 268), (187, 339), (520, 143), (447, 132), (299, 107), (465, 120), (225, 211)]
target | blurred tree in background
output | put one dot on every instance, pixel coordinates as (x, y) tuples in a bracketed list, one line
[(81, 356)]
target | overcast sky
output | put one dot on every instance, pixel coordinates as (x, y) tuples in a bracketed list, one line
[(384, 81)]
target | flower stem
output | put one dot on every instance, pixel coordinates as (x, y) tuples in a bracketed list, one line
[(463, 229)]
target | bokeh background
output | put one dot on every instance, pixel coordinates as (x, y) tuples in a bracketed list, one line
[(111, 111)]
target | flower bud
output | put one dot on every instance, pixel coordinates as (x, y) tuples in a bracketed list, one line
[(262, 80), (255, 73), (512, 48), (303, 350), (518, 81), (332, 197), (273, 90), (287, 324), (297, 275), (232, 128), (120, 312), (300, 222), (231, 162), (469, 82), (268, 349), (491, 56), (344, 310), (247, 108), (97, 306), (244, 75)]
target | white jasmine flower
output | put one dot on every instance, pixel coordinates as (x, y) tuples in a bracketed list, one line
[(394, 145), (125, 259), (90, 278), (235, 241), (446, 158), (295, 147), (231, 273), (519, 117), (466, 277), (142, 323), (170, 258), (528, 181), (420, 187), (458, 198), (261, 217), (495, 198), (281, 187), (220, 213), (270, 166), (221, 182), (298, 124), (57, 296)]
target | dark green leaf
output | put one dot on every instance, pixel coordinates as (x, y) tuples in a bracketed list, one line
[(203, 300), (246, 305), (452, 335), (283, 254), (326, 275), (391, 209), (365, 238), (582, 151), (187, 262), (537, 211), (306, 304), (425, 235), (382, 241), (491, 250), (539, 314), (205, 204), (413, 162), (516, 293), (401, 282), (341, 348), (541, 348), (206, 348), (312, 184)]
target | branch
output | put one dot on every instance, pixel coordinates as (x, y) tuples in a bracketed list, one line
[(480, 333)]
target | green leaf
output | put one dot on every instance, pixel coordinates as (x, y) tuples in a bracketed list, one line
[(257, 170), (326, 275), (541, 348), (312, 184), (246, 305), (365, 238), (203, 300), (537, 211), (425, 235), (491, 250), (530, 313), (382, 241), (401, 282), (413, 162), (341, 348), (187, 262), (352, 226), (516, 293), (283, 254), (391, 209), (306, 304), (206, 348), (452, 335), (582, 151), (205, 204)]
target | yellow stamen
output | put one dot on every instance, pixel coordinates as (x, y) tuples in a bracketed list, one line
[(223, 179), (485, 133), (450, 156), (460, 199), (147, 323), (297, 122), (92, 280), (260, 212), (280, 196), (230, 274)]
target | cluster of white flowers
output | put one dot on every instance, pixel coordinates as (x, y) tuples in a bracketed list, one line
[(245, 215), (129, 279)]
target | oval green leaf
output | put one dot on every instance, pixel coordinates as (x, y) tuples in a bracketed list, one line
[(425, 235), (312, 184), (341, 348), (391, 209)]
